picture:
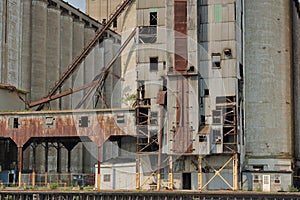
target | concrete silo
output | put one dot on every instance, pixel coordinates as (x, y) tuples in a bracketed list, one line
[(268, 95)]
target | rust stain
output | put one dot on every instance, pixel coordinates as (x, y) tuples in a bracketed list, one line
[(101, 126)]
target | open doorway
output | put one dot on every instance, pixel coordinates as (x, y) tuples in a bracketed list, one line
[(186, 181)]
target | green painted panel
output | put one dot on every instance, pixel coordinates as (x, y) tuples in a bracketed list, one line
[(152, 9), (218, 13)]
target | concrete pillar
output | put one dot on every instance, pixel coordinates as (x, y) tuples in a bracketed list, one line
[(268, 102), (66, 55), (78, 75), (25, 70), (53, 50), (38, 51), (89, 72)]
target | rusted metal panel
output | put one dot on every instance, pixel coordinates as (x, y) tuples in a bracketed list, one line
[(162, 97), (100, 125), (180, 29)]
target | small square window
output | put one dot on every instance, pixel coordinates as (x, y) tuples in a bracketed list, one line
[(154, 64), (84, 121), (216, 60), (106, 178), (120, 119), (14, 122), (49, 120), (206, 92), (256, 179), (277, 179), (202, 138)]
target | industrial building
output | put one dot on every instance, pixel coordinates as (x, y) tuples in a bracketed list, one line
[(169, 94)]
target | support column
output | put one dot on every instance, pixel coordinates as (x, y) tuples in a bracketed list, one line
[(34, 145), (69, 166), (160, 145), (46, 163), (58, 165), (20, 159), (200, 173), (235, 171), (170, 172), (98, 173)]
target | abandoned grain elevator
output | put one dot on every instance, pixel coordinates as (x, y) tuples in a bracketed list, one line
[(179, 94)]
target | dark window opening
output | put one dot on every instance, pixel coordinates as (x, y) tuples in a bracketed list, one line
[(154, 64), (153, 18), (241, 71), (258, 167), (202, 119), (202, 138), (84, 121), (115, 23), (206, 92), (16, 123)]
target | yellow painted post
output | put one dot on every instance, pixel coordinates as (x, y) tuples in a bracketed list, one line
[(200, 173), (33, 178)]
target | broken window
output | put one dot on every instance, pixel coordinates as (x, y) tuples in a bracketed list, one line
[(154, 64), (153, 18), (217, 136), (202, 138), (277, 179), (256, 179), (14, 122), (216, 60), (84, 121), (49, 122), (153, 118), (147, 34)]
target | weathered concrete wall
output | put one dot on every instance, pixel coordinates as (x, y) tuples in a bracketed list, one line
[(53, 41), (38, 50), (10, 43), (268, 95)]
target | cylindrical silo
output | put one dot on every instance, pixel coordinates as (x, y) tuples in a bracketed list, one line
[(38, 50), (89, 72), (26, 46), (66, 55), (268, 101), (12, 43), (296, 72), (53, 50), (78, 45)]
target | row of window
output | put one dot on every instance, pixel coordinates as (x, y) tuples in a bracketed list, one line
[(84, 121), (258, 179)]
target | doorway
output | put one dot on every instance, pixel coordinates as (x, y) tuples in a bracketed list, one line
[(186, 181)]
